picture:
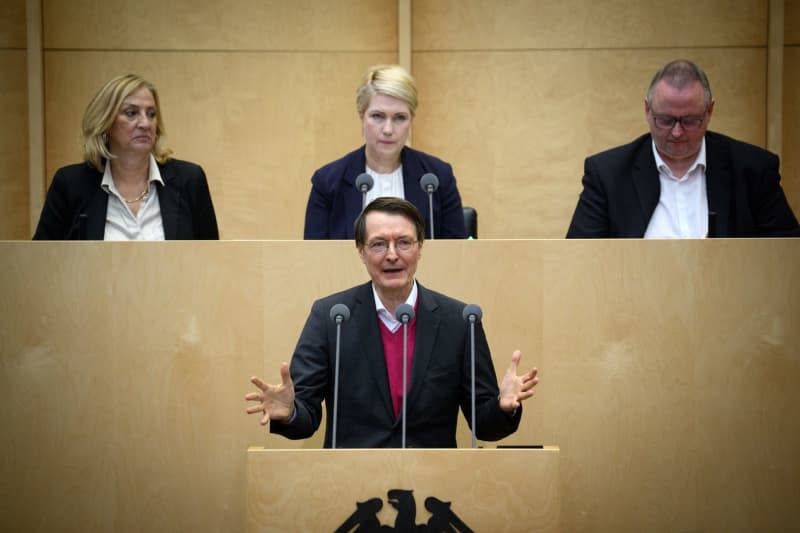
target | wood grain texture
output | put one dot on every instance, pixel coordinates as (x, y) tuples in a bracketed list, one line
[(790, 158), (259, 124), (584, 24), (514, 95), (12, 24), (490, 489), (303, 25), (518, 125), (668, 374), (791, 13), (14, 186)]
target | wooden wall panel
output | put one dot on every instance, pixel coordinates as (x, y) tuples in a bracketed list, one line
[(258, 123), (517, 125), (790, 158), (14, 185), (259, 93), (519, 93), (307, 25), (514, 95), (124, 367), (12, 24), (672, 423), (790, 161), (791, 14), (584, 24)]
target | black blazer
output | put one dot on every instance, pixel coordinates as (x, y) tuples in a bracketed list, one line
[(334, 202), (76, 205), (621, 190), (439, 377)]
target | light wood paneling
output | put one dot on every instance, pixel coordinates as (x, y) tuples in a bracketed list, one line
[(570, 24), (14, 185), (12, 24), (518, 125), (791, 13), (307, 25), (790, 162), (135, 410), (514, 95), (258, 123), (490, 490), (674, 422), (124, 367), (14, 223)]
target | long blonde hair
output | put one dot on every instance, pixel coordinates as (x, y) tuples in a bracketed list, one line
[(100, 115)]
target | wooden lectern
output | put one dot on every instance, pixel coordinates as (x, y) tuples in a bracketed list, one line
[(463, 489)]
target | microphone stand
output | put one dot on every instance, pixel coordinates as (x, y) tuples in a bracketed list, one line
[(472, 314), (364, 184), (429, 183), (404, 313), (339, 313)]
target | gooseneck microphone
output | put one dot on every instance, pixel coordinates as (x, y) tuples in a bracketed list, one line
[(364, 183), (404, 313), (472, 314), (340, 313), (429, 183), (77, 230), (712, 225)]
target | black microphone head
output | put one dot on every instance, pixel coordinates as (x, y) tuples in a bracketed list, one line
[(429, 182), (340, 313), (404, 313), (472, 313), (364, 182)]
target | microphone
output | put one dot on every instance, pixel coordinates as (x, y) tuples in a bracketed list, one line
[(712, 225), (82, 218), (472, 314), (364, 183), (404, 313), (429, 183), (339, 314), (78, 229)]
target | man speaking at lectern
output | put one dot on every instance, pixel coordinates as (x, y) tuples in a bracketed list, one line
[(389, 236)]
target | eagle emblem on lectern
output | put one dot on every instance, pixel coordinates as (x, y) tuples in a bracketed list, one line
[(365, 518)]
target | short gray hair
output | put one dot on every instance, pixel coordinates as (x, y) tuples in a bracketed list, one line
[(680, 74)]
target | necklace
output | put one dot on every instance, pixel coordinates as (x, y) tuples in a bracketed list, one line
[(142, 196)]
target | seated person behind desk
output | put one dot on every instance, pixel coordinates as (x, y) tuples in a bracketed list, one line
[(386, 103), (389, 235), (681, 181), (127, 188)]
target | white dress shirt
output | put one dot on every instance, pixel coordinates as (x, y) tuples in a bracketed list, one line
[(390, 184), (121, 223), (682, 210), (388, 319)]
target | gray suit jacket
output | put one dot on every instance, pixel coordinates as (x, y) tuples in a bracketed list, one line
[(439, 377)]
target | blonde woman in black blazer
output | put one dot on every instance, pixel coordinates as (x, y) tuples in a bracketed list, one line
[(127, 177)]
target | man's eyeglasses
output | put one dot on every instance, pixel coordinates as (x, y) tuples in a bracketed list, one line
[(380, 247), (688, 123)]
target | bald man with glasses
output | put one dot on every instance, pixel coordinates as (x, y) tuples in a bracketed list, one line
[(681, 180)]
